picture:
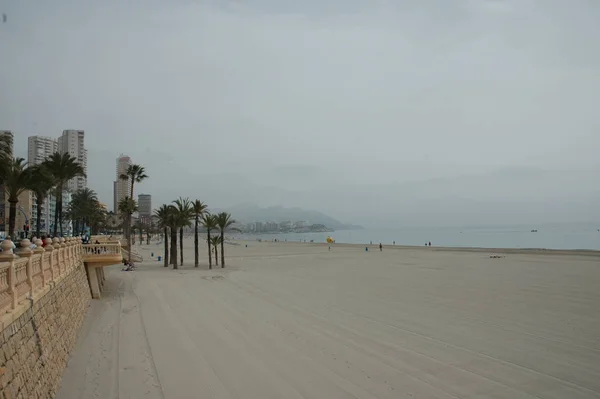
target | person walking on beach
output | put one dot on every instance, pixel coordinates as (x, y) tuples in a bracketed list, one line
[(380, 247)]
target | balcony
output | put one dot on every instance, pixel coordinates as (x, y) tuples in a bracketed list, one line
[(105, 254), (95, 257)]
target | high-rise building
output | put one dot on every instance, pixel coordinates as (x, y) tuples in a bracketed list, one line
[(71, 142), (4, 134), (145, 205), (122, 187), (38, 149)]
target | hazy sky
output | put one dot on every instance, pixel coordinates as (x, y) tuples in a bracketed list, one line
[(377, 112)]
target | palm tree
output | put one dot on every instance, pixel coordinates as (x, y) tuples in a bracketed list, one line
[(210, 223), (199, 208), (6, 158), (139, 227), (173, 220), (63, 167), (224, 222), (184, 213), (42, 184), (6, 145), (83, 207), (134, 174), (18, 177), (162, 214), (215, 241), (126, 207)]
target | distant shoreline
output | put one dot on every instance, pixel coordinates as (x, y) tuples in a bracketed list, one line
[(525, 251)]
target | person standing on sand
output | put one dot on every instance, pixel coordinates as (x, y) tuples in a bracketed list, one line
[(380, 247)]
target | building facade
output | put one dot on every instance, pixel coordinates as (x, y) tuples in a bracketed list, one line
[(38, 149), (72, 143), (145, 206), (3, 198), (122, 187)]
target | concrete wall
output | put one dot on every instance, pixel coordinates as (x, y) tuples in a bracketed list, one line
[(37, 339)]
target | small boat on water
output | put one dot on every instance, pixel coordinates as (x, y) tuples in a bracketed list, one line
[(534, 231)]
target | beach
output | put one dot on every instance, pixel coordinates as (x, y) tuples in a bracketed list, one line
[(297, 320)]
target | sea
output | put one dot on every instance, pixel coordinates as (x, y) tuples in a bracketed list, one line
[(548, 236)]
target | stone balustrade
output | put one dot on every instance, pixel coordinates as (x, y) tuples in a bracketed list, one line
[(113, 248), (28, 271), (25, 271), (44, 295)]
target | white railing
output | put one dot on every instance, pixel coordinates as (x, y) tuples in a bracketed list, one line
[(28, 271)]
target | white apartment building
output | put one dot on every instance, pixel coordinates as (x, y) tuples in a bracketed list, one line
[(72, 142), (3, 198), (122, 188), (38, 149)]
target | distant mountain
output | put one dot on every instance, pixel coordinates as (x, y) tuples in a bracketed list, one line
[(247, 213)]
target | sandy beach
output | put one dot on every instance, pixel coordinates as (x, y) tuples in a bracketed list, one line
[(291, 320)]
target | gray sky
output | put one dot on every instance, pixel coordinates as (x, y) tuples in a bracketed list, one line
[(376, 112)]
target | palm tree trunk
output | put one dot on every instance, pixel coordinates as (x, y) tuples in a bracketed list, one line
[(174, 247), (209, 252), (166, 254), (12, 216), (181, 246), (222, 249), (216, 247), (129, 239), (55, 214), (38, 222), (60, 215), (196, 242)]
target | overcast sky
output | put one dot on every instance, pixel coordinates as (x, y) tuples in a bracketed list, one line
[(376, 112)]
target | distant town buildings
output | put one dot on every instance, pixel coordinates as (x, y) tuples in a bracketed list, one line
[(72, 143), (282, 227), (122, 188)]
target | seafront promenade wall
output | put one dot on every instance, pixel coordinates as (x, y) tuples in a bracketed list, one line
[(44, 295)]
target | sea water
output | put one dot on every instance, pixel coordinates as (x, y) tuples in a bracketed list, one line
[(550, 236)]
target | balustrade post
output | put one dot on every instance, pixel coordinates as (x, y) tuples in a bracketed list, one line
[(67, 253), (39, 250), (58, 249), (50, 248), (72, 251), (7, 255), (26, 252)]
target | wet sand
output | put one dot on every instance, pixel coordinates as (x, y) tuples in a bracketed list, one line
[(290, 320)]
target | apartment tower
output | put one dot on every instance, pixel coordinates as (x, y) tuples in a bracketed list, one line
[(72, 143), (145, 206), (122, 187), (8, 136), (38, 149)]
